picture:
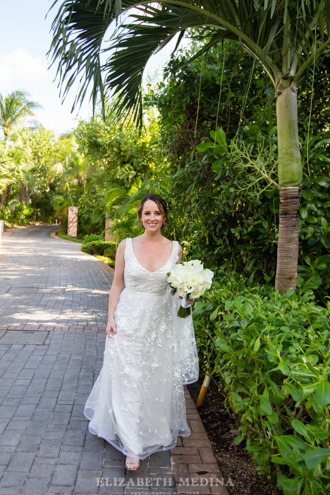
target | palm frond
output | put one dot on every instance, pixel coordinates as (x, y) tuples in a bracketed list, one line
[(133, 49), (78, 30), (268, 29)]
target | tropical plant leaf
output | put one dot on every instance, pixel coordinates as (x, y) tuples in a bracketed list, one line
[(317, 456), (322, 393), (289, 486)]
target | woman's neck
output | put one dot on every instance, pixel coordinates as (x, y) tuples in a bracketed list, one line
[(152, 237)]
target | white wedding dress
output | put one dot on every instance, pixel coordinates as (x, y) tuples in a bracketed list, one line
[(137, 403)]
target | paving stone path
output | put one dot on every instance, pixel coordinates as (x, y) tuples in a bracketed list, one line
[(53, 306), (47, 281)]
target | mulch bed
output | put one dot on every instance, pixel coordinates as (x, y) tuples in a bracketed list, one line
[(234, 461)]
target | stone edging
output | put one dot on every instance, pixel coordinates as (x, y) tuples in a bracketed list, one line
[(195, 467)]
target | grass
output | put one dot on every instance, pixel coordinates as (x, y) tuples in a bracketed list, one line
[(106, 260), (62, 235)]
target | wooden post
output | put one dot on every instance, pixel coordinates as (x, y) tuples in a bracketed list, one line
[(72, 221), (203, 390)]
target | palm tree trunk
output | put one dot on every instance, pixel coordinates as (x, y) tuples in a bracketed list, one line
[(288, 239), (290, 177)]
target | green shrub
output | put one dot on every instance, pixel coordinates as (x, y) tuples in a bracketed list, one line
[(270, 356), (98, 247), (91, 237), (314, 235), (110, 252), (18, 214)]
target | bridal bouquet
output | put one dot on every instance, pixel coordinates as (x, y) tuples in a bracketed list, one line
[(190, 281)]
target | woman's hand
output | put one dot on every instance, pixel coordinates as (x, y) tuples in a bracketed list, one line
[(186, 303), (189, 301), (111, 327)]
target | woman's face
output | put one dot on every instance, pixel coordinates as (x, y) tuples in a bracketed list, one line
[(152, 218)]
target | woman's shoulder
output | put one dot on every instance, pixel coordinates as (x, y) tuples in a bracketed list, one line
[(175, 242), (177, 249), (121, 245), (177, 246), (168, 241)]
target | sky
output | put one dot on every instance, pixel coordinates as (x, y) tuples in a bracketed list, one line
[(24, 41)]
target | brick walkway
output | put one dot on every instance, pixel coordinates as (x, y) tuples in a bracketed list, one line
[(53, 303)]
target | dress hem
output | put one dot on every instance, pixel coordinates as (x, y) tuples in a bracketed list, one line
[(191, 381), (126, 453)]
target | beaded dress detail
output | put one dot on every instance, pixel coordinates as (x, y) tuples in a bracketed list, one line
[(137, 402)]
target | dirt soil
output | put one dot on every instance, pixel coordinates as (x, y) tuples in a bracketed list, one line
[(234, 461)]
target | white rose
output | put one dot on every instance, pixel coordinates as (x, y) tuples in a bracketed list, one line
[(190, 278), (208, 275)]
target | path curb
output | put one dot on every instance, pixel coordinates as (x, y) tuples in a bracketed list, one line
[(195, 467)]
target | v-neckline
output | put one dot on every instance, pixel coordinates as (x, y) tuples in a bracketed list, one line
[(155, 271)]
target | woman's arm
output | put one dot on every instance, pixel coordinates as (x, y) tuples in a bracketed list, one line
[(117, 287)]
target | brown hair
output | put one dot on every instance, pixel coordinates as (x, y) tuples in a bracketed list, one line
[(156, 199)]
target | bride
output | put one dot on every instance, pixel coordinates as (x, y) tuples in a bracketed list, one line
[(137, 403)]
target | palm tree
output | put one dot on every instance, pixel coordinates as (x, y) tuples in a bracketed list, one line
[(14, 108), (284, 37)]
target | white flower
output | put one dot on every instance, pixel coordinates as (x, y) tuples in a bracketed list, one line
[(190, 279)]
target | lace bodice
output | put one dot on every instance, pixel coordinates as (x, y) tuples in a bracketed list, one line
[(138, 279)]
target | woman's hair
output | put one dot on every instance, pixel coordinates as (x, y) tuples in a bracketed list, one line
[(156, 199)]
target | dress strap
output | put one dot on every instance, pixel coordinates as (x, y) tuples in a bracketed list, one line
[(175, 252), (128, 247)]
